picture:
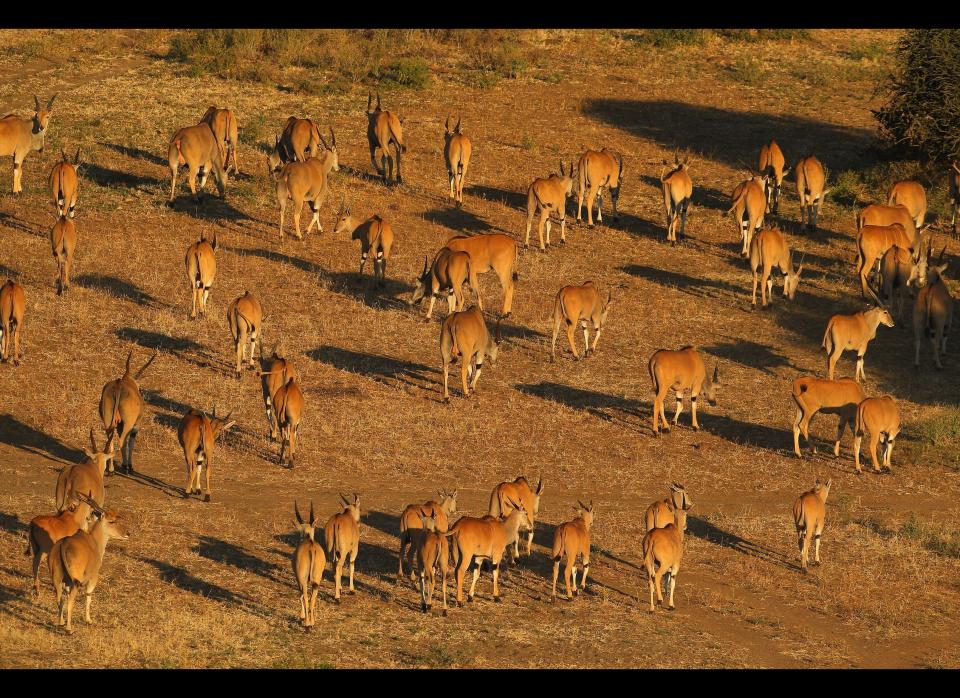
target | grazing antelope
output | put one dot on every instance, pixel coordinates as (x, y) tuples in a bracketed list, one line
[(809, 514), (84, 477), (572, 539), (197, 147), (812, 395), (45, 531), (342, 537), (900, 270), (307, 181), (456, 152), (75, 561), (769, 249), (911, 195), (880, 417), (748, 206), (245, 317), (663, 512), (772, 168), (121, 408), (201, 267), (384, 128), (309, 562), (596, 170), (299, 140), (375, 236), (275, 372), (502, 501), (446, 275), (933, 312), (548, 194), (881, 215), (224, 126), (677, 193), (197, 434), (662, 552), (287, 413), (954, 183), (491, 251), (576, 305), (464, 335), (63, 240), (874, 240), (433, 553), (410, 520), (19, 137), (475, 540), (811, 179), (845, 332), (680, 370), (13, 304), (64, 184)]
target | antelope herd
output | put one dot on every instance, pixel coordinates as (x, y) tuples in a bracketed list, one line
[(893, 237)]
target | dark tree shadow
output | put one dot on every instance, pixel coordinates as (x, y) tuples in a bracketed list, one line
[(179, 347), (141, 478), (11, 523), (362, 288), (106, 177), (182, 579), (606, 407), (743, 433), (751, 354), (458, 219), (10, 221), (118, 288), (383, 369), (137, 154), (383, 521), (705, 530), (701, 288), (511, 199), (235, 556), (270, 255), (26, 438)]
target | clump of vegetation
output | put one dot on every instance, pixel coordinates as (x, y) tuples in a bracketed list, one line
[(940, 540), (747, 70), (935, 441), (757, 35), (408, 72), (669, 38)]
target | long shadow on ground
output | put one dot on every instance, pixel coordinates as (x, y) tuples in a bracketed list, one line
[(26, 438), (379, 368), (118, 288), (606, 407), (705, 530)]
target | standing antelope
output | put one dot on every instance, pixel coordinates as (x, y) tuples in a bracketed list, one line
[(772, 168), (224, 126), (64, 184), (881, 215), (769, 249), (845, 332), (491, 251), (309, 562), (899, 270), (307, 181), (121, 408), (18, 137), (502, 501), (465, 336), (748, 206), (813, 395), (299, 140), (433, 553), (13, 304), (913, 197), (245, 317), (954, 183), (45, 531), (201, 267), (275, 372), (933, 312), (677, 194), (63, 240), (680, 370), (572, 539), (410, 520), (663, 512), (384, 128), (342, 537), (576, 305), (662, 552), (874, 240), (197, 434), (880, 417), (810, 188), (198, 148), (375, 236), (446, 275), (75, 562), (809, 514), (596, 170), (84, 477), (548, 194), (456, 152), (287, 413)]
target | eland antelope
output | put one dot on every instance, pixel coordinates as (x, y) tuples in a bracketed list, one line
[(446, 275), (433, 554), (44, 531), (457, 149), (224, 126), (245, 318), (662, 551), (577, 305), (597, 170), (503, 499), (201, 267), (811, 179), (375, 236), (846, 332), (680, 370), (748, 204), (882, 215), (64, 184), (677, 194), (309, 563), (287, 414), (874, 240), (86, 477), (197, 435), (384, 128), (63, 240), (913, 197), (572, 539), (491, 251), (121, 408), (933, 312), (663, 511), (809, 514), (306, 181), (342, 538), (275, 372), (19, 137), (769, 249), (439, 511), (772, 168), (548, 194), (13, 304), (464, 336), (880, 417), (197, 147), (812, 395), (901, 270)]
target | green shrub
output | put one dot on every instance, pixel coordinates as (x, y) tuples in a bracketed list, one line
[(409, 72), (756, 35), (669, 38)]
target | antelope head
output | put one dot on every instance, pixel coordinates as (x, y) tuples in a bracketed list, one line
[(306, 528), (421, 283), (714, 385), (792, 278)]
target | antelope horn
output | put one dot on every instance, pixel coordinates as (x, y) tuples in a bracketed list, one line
[(940, 258), (378, 99), (457, 127), (296, 509), (716, 372), (333, 138), (322, 141), (93, 442), (499, 337), (312, 517), (446, 124), (582, 506), (37, 102), (76, 158), (342, 495)]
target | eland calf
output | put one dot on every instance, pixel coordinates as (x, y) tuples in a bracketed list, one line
[(275, 372), (548, 194), (287, 414), (465, 336), (596, 171), (572, 539), (19, 137), (433, 554), (809, 514), (306, 182), (577, 305), (197, 435), (680, 371)]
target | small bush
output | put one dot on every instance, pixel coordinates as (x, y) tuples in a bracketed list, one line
[(747, 70), (527, 142), (756, 35), (866, 51), (409, 72), (669, 38)]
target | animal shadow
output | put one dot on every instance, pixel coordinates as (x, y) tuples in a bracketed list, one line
[(26, 438), (118, 288), (382, 369), (705, 530), (606, 407)]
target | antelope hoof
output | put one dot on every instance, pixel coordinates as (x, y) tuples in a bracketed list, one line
[(498, 599), (206, 497), (469, 599), (805, 570), (337, 600), (696, 427), (671, 608), (444, 613)]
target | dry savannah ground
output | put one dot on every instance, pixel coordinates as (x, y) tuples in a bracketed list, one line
[(210, 585)]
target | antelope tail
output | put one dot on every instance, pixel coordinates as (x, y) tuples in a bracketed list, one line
[(559, 544), (198, 281), (495, 508), (653, 378), (398, 140), (827, 342), (180, 159), (648, 553), (738, 200), (30, 543)]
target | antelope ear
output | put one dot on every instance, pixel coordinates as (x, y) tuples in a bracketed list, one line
[(716, 373), (36, 101), (50, 103)]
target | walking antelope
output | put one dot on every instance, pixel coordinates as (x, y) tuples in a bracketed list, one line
[(75, 561), (45, 531), (596, 170), (201, 267), (811, 179), (769, 249), (548, 194), (680, 370), (748, 206), (772, 168), (663, 512), (874, 240), (224, 126), (913, 197), (307, 181), (809, 514), (662, 552), (899, 270), (13, 304), (375, 236), (491, 251), (245, 317), (572, 539), (576, 305), (677, 193), (439, 512), (342, 537), (465, 336), (275, 372), (198, 148), (197, 435), (299, 140), (63, 240), (812, 395), (845, 332), (84, 477), (384, 128), (502, 501), (954, 183), (881, 215), (933, 312), (880, 417), (19, 137), (456, 152), (446, 275), (287, 413), (64, 184), (309, 563), (121, 408), (433, 554)]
